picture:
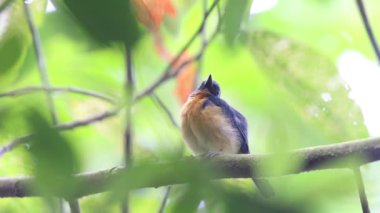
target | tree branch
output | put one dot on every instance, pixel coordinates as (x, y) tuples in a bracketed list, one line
[(32, 89), (337, 156)]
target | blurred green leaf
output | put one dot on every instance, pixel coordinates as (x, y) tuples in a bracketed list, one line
[(214, 196), (13, 41), (54, 160), (328, 26), (235, 12), (190, 198), (312, 82), (4, 4), (106, 21), (235, 201), (15, 38)]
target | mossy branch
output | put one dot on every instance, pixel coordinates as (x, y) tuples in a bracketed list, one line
[(337, 156)]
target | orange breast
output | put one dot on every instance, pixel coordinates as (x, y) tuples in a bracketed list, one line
[(207, 129)]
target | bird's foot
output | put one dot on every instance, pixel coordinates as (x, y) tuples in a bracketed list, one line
[(208, 155)]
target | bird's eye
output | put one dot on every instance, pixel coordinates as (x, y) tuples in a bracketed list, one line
[(216, 90)]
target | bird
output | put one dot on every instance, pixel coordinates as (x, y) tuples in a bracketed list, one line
[(210, 126)]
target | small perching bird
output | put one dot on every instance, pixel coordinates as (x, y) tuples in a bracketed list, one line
[(210, 126)]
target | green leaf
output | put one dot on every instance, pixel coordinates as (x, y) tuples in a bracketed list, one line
[(189, 200), (13, 41), (4, 5), (312, 82), (106, 21), (234, 200), (235, 12), (53, 157), (15, 38)]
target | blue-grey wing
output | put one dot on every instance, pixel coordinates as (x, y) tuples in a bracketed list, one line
[(242, 126), (236, 118)]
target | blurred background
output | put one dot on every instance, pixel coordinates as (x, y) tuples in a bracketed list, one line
[(303, 72)]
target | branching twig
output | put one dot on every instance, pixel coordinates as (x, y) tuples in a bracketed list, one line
[(337, 156), (61, 127), (169, 72), (32, 89), (41, 62), (361, 190), (368, 29)]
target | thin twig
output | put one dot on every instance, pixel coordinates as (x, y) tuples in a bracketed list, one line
[(32, 89), (368, 28), (128, 145), (203, 44), (157, 100), (130, 84), (61, 127), (361, 190), (74, 206), (176, 71), (15, 142), (168, 73), (204, 29), (41, 61), (165, 200), (88, 121)]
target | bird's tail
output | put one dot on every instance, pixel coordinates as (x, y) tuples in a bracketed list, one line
[(264, 187)]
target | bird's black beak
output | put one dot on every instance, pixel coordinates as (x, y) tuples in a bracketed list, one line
[(209, 82)]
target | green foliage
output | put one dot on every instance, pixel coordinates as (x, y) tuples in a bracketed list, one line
[(277, 75), (107, 22), (14, 39), (235, 12), (311, 81), (54, 160)]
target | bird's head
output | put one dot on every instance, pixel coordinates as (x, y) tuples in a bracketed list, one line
[(209, 86)]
